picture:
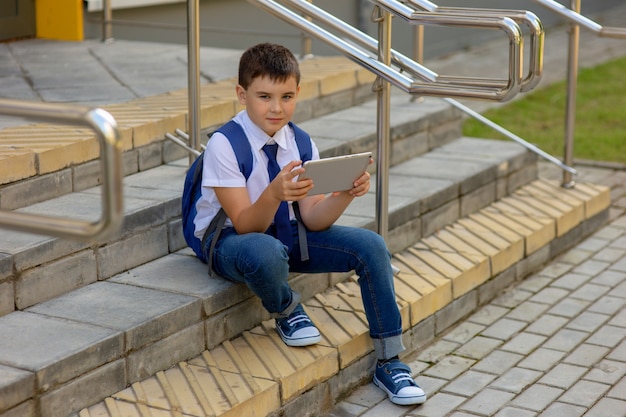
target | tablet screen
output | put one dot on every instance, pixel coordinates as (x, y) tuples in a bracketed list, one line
[(337, 173)]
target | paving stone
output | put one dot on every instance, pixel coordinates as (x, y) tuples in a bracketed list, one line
[(504, 329), (618, 390), (487, 402), (547, 325), (430, 385), (560, 410), (621, 264), (563, 376), (571, 281), (549, 295), (565, 340), (575, 256), (497, 362), (516, 380), (488, 314), (437, 351), (587, 322), (569, 307), (592, 267), (478, 347), (586, 355), (535, 283), (537, 397), (619, 319), (514, 412), (385, 408), (555, 269), (592, 244), (608, 336), (607, 372), (542, 359), (512, 298), (607, 407), (590, 292), (449, 367), (584, 393), (463, 333), (609, 255), (607, 305), (439, 405), (609, 278), (523, 343), (527, 311), (469, 383), (619, 352)]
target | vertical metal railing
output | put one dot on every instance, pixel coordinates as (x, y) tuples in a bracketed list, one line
[(105, 127), (577, 20), (193, 75), (570, 107), (107, 17), (383, 103)]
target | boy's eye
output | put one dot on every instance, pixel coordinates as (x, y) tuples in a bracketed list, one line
[(287, 97)]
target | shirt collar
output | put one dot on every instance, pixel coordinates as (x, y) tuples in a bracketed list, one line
[(260, 138)]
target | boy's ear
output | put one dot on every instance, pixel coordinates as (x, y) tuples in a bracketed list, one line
[(241, 94)]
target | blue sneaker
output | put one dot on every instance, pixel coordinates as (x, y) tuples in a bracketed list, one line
[(394, 377), (298, 329)]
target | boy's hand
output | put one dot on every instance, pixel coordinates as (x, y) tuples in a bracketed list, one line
[(284, 188)]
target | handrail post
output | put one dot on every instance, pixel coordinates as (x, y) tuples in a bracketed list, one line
[(193, 75), (307, 42), (572, 85), (418, 43), (383, 107), (107, 17)]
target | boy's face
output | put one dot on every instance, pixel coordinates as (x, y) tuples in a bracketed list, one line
[(270, 104)]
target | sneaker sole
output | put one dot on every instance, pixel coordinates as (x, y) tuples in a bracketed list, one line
[(415, 400), (304, 341)]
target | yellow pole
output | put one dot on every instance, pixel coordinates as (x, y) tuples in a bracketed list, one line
[(59, 19)]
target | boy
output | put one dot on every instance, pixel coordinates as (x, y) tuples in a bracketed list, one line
[(249, 251)]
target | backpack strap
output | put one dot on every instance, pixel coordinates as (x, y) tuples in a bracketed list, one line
[(303, 140), (239, 142)]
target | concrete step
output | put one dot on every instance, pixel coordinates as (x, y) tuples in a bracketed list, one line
[(443, 278), (82, 321), (139, 304), (140, 322), (35, 268)]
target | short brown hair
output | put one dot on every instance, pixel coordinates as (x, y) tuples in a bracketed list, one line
[(266, 59)]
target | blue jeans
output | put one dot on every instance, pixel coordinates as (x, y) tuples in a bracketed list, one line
[(261, 262)]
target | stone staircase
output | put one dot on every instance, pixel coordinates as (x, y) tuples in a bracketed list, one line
[(133, 326)]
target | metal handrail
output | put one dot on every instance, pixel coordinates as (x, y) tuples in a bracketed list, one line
[(475, 20), (105, 127), (537, 33), (578, 21), (402, 80), (419, 80), (574, 16)]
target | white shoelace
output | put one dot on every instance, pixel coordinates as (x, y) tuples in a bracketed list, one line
[(292, 321)]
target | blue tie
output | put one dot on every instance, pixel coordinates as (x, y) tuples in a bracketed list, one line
[(281, 218)]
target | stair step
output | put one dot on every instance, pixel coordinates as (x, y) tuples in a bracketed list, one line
[(443, 277)]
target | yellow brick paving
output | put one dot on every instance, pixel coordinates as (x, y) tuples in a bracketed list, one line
[(256, 373), (40, 148)]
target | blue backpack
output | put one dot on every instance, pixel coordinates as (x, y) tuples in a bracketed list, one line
[(192, 190)]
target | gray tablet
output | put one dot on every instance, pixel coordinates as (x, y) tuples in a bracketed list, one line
[(337, 173)]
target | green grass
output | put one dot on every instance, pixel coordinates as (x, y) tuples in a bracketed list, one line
[(539, 116)]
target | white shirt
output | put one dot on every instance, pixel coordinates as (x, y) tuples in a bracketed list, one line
[(221, 169)]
